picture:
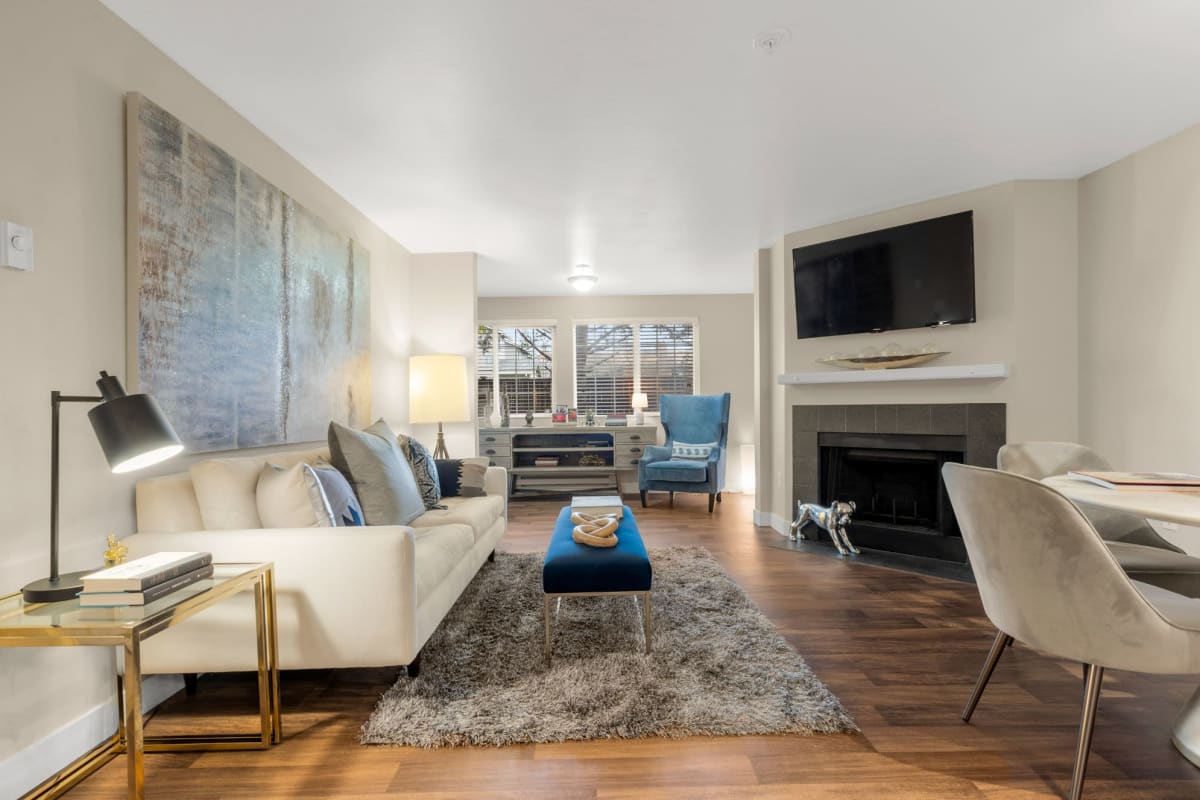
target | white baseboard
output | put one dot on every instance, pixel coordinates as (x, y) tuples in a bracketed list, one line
[(26, 768), (768, 519)]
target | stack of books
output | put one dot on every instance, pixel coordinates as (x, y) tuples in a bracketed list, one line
[(144, 580), (615, 421), (546, 461), (596, 505)]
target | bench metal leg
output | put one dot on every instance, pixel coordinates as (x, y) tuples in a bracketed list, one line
[(546, 610), (646, 619)]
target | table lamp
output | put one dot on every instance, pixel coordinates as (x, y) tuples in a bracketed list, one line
[(133, 433), (639, 402), (437, 392)]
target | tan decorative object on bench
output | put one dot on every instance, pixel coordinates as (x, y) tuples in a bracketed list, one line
[(594, 531)]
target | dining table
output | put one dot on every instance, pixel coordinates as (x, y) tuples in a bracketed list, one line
[(1180, 507)]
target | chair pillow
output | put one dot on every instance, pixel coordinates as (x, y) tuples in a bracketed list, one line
[(462, 477), (424, 470), (226, 491), (291, 497), (682, 451), (378, 471)]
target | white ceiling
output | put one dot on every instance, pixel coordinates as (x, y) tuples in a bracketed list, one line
[(648, 137)]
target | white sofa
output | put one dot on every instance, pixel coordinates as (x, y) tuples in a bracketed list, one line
[(346, 597)]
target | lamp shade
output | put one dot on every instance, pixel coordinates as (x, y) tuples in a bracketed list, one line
[(132, 430), (437, 389), (640, 400)]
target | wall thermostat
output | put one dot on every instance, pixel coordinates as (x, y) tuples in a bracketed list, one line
[(16, 246)]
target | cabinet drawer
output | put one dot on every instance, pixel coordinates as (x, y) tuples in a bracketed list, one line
[(630, 449), (500, 461), (641, 438), (627, 461), (500, 450), (489, 439)]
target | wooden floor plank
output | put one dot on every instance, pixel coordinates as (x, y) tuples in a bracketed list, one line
[(901, 650)]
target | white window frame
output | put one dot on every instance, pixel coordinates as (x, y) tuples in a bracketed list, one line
[(635, 323), (552, 324)]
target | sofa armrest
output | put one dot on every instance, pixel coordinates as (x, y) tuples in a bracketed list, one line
[(346, 589), (495, 482)]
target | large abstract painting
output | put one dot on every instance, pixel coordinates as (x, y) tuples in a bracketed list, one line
[(249, 316)]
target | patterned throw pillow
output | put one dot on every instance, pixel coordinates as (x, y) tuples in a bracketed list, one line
[(344, 508), (682, 451), (424, 470), (462, 477)]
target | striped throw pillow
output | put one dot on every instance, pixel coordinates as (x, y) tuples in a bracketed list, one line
[(682, 451)]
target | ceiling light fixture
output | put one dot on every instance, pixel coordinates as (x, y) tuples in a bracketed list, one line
[(582, 278)]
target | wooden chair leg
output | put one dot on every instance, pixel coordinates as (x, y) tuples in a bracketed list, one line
[(1094, 676), (711, 499), (671, 498), (718, 497), (989, 666), (191, 682), (643, 498)]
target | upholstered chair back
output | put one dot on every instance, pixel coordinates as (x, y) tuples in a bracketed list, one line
[(695, 419), (1039, 460), (1047, 579)]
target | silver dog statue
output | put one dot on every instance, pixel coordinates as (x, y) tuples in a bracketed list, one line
[(833, 519)]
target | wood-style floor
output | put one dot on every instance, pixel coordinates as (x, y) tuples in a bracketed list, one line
[(900, 650)]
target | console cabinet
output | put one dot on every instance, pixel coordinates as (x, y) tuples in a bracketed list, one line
[(565, 459)]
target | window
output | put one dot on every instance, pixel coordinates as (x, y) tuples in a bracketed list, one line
[(665, 358), (604, 368), (517, 362), (614, 360)]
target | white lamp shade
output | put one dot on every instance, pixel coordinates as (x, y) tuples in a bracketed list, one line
[(640, 400), (437, 389)]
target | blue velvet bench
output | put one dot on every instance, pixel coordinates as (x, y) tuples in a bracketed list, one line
[(572, 569)]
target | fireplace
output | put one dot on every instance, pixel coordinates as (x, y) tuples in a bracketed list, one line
[(888, 460)]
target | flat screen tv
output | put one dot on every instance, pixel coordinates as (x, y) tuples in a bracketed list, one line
[(911, 276)]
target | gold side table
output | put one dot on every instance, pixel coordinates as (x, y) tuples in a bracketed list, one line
[(65, 624)]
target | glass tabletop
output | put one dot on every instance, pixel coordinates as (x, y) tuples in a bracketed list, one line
[(16, 615)]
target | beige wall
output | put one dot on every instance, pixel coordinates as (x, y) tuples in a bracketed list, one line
[(1025, 271), (1139, 280), (724, 336), (442, 304), (66, 65)]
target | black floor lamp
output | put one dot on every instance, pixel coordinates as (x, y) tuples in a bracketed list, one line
[(133, 432)]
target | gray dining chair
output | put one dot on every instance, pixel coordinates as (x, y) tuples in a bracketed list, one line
[(1139, 549), (1047, 580)]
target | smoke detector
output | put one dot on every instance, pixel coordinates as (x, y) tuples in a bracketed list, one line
[(771, 40)]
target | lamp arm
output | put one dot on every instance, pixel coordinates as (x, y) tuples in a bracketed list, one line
[(56, 399)]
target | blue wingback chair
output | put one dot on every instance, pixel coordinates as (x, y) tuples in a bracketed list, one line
[(691, 419)]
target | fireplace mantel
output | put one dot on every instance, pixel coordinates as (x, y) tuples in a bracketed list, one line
[(956, 372)]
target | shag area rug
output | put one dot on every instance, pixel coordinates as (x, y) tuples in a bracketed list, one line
[(717, 667)]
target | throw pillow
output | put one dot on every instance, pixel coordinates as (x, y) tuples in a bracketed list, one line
[(344, 507), (378, 471), (424, 470), (682, 451), (462, 477), (291, 497), (226, 490)]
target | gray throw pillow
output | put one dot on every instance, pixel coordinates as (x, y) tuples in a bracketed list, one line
[(344, 507), (378, 472)]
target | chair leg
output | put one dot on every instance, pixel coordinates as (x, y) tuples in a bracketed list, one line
[(671, 498), (718, 497), (1094, 677), (190, 683), (989, 666), (492, 556), (711, 498), (643, 498), (414, 667)]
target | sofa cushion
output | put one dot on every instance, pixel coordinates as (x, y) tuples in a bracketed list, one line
[(424, 470), (378, 471), (678, 471), (437, 551), (479, 513), (292, 497), (226, 491)]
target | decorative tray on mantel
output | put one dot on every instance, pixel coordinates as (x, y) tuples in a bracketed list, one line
[(864, 361)]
